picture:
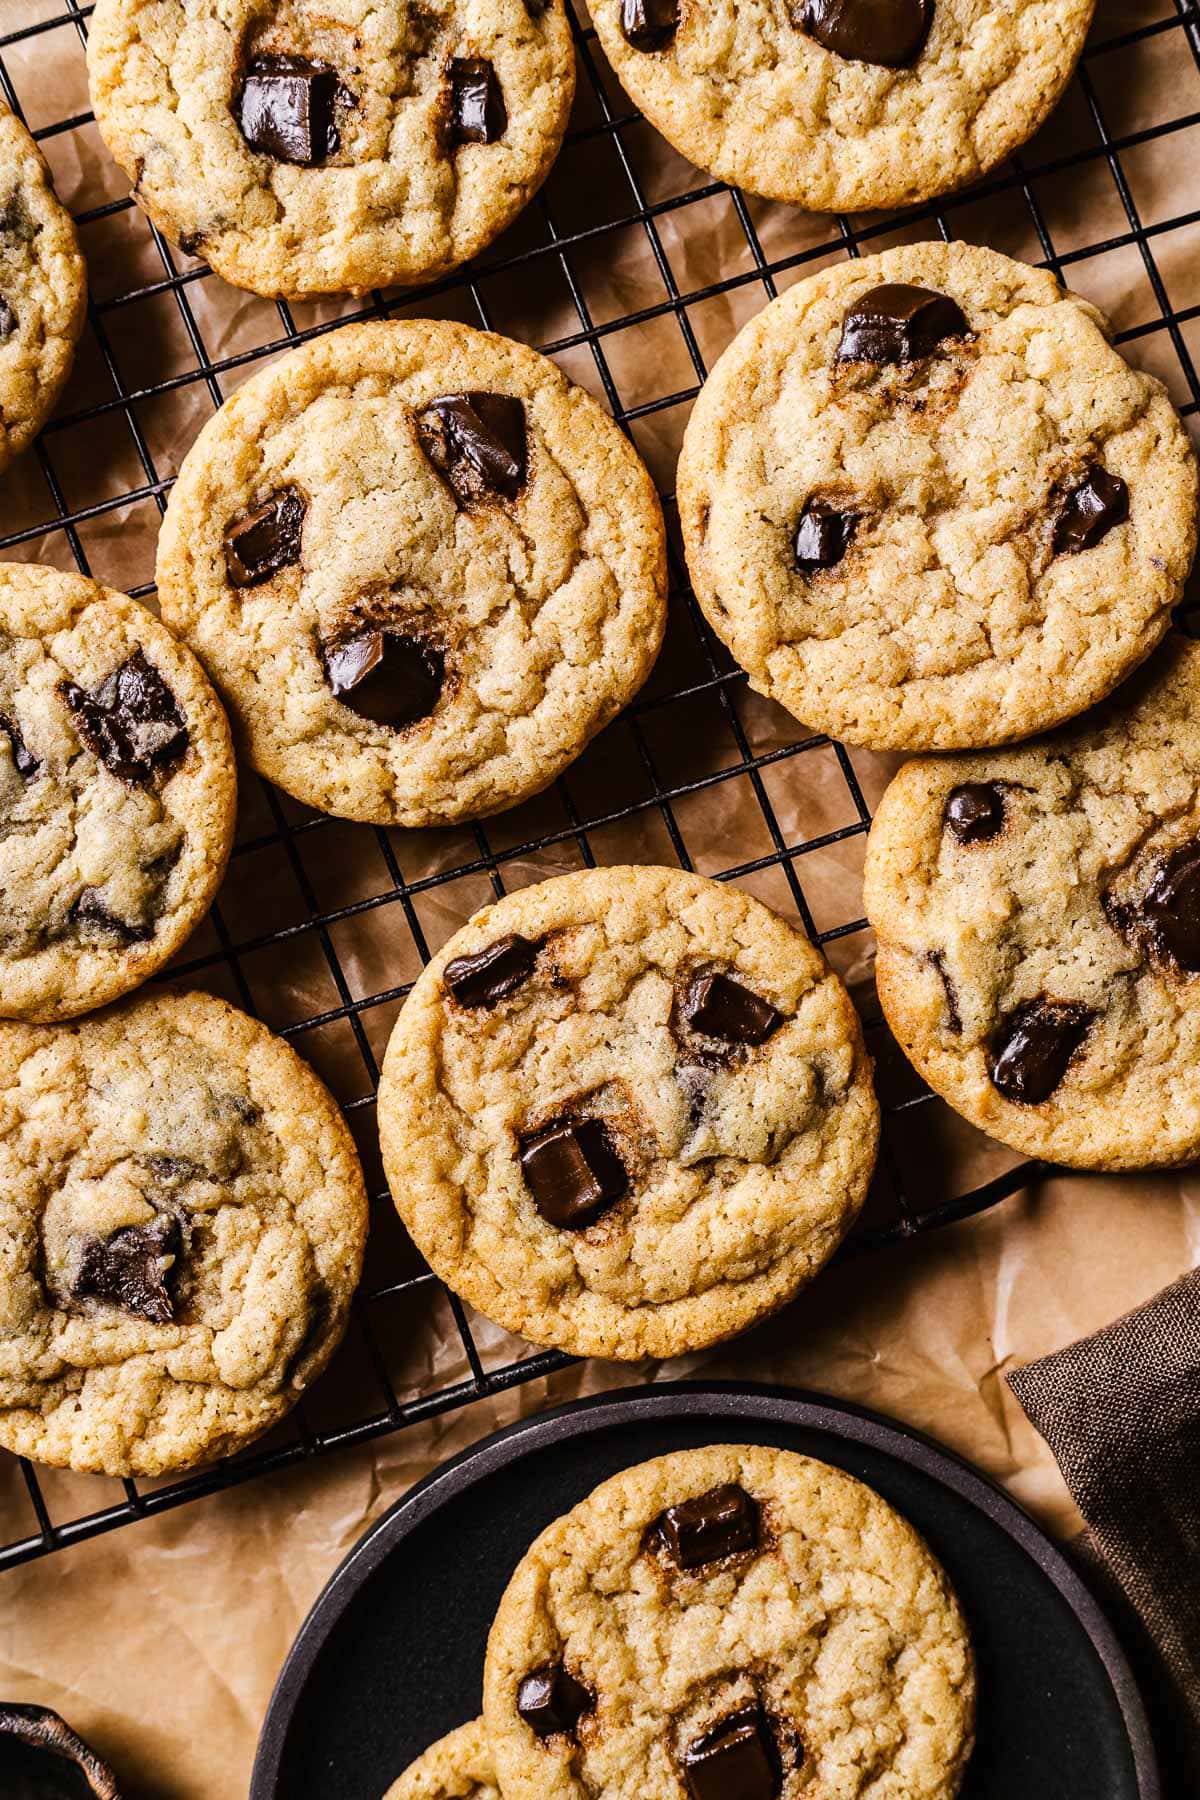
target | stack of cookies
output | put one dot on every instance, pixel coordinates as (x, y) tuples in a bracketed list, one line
[(727, 1621)]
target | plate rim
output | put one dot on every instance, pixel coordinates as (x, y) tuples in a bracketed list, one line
[(743, 1400)]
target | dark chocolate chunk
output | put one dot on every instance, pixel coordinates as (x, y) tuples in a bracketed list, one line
[(477, 111), (285, 109), (8, 320), (131, 722), (24, 761), (890, 33), (550, 1700), (41, 1758), (488, 975), (822, 537), (723, 1522), (649, 24), (722, 1008), (478, 442), (1089, 511), (953, 1016), (192, 242), (265, 540), (1171, 907), (386, 678), (1033, 1046), (897, 323), (90, 913), (974, 812), (573, 1172), (130, 1269), (736, 1760)]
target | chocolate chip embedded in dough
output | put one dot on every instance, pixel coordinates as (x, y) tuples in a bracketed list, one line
[(489, 975), (477, 111), (551, 1701), (899, 323), (822, 537), (573, 1171), (888, 33), (286, 109), (385, 677), (130, 1269), (649, 25), (974, 812), (1033, 1047), (736, 1760), (8, 320), (478, 441), (90, 913), (266, 540), (132, 721), (723, 1522), (717, 1006), (1171, 907), (1090, 511), (27, 765)]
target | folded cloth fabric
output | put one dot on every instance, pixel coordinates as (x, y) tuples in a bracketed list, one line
[(1121, 1413)]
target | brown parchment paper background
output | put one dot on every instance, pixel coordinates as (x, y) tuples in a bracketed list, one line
[(161, 1641)]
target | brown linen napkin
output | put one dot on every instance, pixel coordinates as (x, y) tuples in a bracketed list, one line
[(1121, 1412)]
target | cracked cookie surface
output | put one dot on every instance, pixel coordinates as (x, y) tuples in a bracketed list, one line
[(43, 289), (354, 164), (185, 1217), (118, 792), (502, 560), (748, 94), (969, 605), (601, 1146), (457, 1767), (828, 1636), (1042, 971)]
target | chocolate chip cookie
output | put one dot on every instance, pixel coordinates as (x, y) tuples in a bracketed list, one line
[(729, 1620), (928, 506), (117, 788), (301, 151), (841, 105), (1038, 919), (422, 568), (185, 1219), (43, 290), (457, 1767), (627, 1112)]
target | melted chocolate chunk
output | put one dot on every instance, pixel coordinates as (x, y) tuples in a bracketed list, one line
[(736, 1760), (41, 1758), (823, 536), (953, 1016), (723, 1522), (889, 33), (722, 1008), (478, 442), (130, 1269), (486, 977), (550, 1700), (8, 320), (897, 323), (265, 540), (90, 914), (477, 111), (131, 721), (1171, 907), (649, 24), (1033, 1046), (285, 109), (974, 812), (573, 1172), (1089, 511), (24, 761), (388, 679)]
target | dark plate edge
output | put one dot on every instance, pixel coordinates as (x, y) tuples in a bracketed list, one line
[(742, 1400)]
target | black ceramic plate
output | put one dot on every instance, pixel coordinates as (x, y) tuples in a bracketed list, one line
[(391, 1656)]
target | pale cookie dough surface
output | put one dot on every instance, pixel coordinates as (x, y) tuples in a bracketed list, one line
[(458, 1767), (398, 201), (1053, 906), (744, 92), (548, 607), (746, 1164), (179, 1122), (102, 875), (839, 1624), (43, 289), (952, 620)]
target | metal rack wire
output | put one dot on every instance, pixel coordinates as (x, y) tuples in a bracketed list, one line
[(696, 680)]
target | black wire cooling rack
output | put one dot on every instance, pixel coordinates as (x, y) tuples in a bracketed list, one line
[(1077, 197)]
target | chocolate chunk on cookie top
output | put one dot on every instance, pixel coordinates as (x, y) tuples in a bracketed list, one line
[(552, 1702), (118, 788), (628, 1112), (927, 505), (829, 1645), (890, 33), (186, 1241), (1042, 976), (302, 151), (423, 569), (721, 1523)]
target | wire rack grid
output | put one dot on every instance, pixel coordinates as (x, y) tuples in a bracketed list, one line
[(1077, 197)]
